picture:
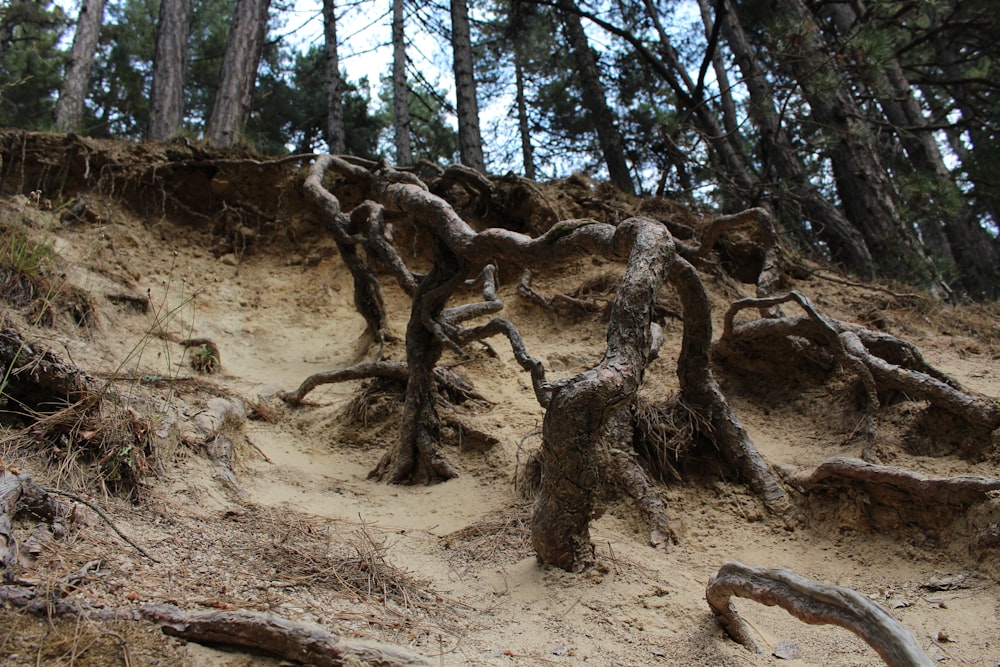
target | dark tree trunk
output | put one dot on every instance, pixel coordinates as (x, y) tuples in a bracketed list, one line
[(581, 405), (800, 197), (231, 109), (469, 140), (523, 124), (400, 89), (594, 99), (69, 108), (334, 83), (166, 114), (866, 192), (955, 239), (414, 459)]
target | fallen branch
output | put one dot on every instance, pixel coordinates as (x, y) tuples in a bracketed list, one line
[(815, 603), (291, 640)]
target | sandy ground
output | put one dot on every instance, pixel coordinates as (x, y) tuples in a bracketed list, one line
[(464, 588)]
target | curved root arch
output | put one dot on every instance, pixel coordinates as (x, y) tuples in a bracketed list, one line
[(815, 603)]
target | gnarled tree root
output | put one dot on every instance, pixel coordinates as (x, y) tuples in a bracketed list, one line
[(292, 640), (881, 362), (815, 603), (920, 490)]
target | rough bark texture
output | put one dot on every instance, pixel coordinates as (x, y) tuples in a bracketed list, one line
[(469, 140), (577, 408), (920, 490), (400, 89), (333, 81), (239, 73), (291, 640), (846, 243), (166, 113), (812, 602), (869, 199), (881, 361), (594, 99), (580, 405), (69, 108)]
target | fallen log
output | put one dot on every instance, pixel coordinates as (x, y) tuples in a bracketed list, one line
[(291, 640), (815, 603)]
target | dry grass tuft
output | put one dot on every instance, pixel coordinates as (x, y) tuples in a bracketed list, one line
[(95, 434), (664, 433)]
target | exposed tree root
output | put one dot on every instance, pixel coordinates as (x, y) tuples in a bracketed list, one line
[(273, 635), (291, 640), (19, 492), (637, 484), (815, 603), (447, 380), (917, 490), (577, 408), (881, 362)]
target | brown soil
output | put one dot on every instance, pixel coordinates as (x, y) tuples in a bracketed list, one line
[(233, 253)]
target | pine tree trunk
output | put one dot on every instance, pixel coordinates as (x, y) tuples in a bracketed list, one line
[(523, 125), (470, 141), (334, 83), (800, 197), (400, 90), (594, 99), (69, 108), (955, 239), (736, 184), (166, 115), (866, 192), (239, 73)]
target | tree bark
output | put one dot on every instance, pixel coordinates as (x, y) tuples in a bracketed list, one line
[(333, 81), (69, 108), (955, 238), (231, 109), (595, 100), (166, 114), (814, 603), (867, 195), (800, 197), (400, 89), (523, 124), (469, 139)]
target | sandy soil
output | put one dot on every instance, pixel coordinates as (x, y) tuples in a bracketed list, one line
[(458, 581)]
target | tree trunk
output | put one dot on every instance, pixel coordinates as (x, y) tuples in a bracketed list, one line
[(400, 90), (166, 114), (469, 140), (800, 197), (580, 406), (334, 83), (736, 184), (954, 237), (866, 192), (524, 127), (69, 108), (239, 73), (595, 100)]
